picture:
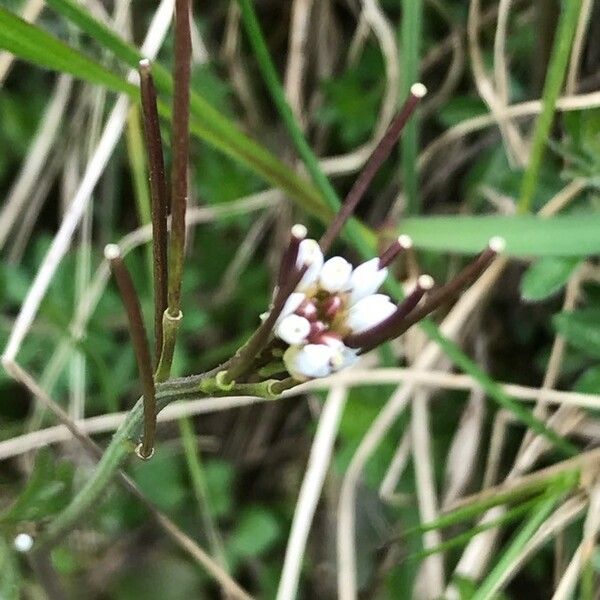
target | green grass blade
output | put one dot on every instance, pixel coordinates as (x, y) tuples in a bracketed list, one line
[(35, 45), (487, 589), (464, 538), (557, 68), (271, 79), (102, 34), (502, 398), (206, 122), (562, 481), (410, 58), (525, 235)]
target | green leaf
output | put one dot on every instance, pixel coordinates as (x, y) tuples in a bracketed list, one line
[(256, 532), (9, 572), (562, 236), (581, 328), (33, 44), (546, 277), (47, 491), (589, 382)]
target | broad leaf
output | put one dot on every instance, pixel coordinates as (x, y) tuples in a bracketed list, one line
[(581, 328), (546, 277)]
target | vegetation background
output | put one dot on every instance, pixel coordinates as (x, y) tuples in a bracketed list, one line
[(511, 127)]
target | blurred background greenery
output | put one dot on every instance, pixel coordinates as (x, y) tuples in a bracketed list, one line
[(240, 469)]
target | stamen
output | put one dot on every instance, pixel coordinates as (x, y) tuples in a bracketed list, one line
[(290, 255), (377, 158), (317, 329), (404, 242), (331, 306), (308, 310), (383, 330)]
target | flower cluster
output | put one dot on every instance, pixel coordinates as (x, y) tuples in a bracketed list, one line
[(335, 307)]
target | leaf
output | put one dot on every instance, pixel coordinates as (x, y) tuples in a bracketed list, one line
[(9, 572), (589, 382), (560, 236), (33, 44), (581, 328), (47, 491), (546, 277), (256, 532)]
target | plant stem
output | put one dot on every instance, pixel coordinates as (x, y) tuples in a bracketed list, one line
[(137, 163), (140, 345), (555, 77), (180, 141), (158, 191), (194, 464), (410, 56)]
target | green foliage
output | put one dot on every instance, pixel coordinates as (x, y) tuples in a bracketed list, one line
[(46, 493), (581, 328), (546, 277)]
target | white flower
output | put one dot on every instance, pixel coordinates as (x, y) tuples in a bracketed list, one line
[(310, 361), (369, 311), (293, 329), (366, 279), (292, 304), (309, 254), (335, 274)]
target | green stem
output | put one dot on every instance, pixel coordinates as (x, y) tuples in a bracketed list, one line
[(194, 464), (557, 69), (124, 441), (410, 57)]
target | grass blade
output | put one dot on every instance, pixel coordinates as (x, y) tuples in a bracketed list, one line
[(35, 45), (525, 235), (557, 68), (410, 56), (487, 589)]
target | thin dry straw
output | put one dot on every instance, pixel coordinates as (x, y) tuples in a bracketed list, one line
[(158, 193), (140, 344), (377, 158)]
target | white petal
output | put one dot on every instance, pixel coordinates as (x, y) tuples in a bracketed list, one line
[(308, 362), (349, 357), (309, 254), (369, 311), (293, 329), (366, 279), (335, 274), (291, 304)]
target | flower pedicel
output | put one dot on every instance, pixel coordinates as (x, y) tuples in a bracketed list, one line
[(325, 313)]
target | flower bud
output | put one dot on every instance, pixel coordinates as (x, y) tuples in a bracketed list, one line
[(293, 329), (335, 274), (309, 255), (369, 311), (308, 362)]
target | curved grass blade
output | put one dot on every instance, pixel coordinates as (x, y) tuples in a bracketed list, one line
[(487, 589), (205, 121), (35, 45), (561, 482), (464, 538)]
